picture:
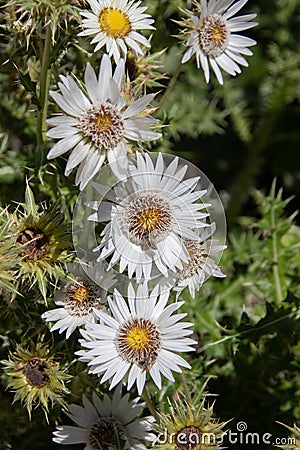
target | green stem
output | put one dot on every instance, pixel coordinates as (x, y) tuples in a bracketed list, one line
[(150, 405), (44, 89), (170, 85), (256, 147), (275, 262)]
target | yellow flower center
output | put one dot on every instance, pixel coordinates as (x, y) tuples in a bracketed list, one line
[(114, 22), (137, 338), (219, 34), (138, 342), (81, 298), (147, 220), (81, 294), (103, 123)]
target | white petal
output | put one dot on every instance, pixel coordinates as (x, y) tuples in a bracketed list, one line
[(137, 106), (234, 9), (70, 435), (91, 83), (64, 105), (61, 132), (63, 146), (105, 74), (216, 69), (76, 157)]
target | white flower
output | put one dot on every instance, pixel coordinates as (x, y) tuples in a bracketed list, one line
[(214, 41), (96, 125), (114, 23), (149, 214), (107, 423), (137, 339), (200, 265), (78, 300)]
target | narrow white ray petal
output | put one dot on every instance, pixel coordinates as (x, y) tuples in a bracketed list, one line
[(137, 106), (63, 146), (79, 153), (61, 132), (64, 105), (216, 69), (228, 64), (60, 120), (234, 9), (70, 435), (104, 79), (90, 80)]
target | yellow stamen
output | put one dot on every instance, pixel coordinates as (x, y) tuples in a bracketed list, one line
[(149, 218), (81, 294), (103, 123), (114, 22), (218, 34), (137, 338)]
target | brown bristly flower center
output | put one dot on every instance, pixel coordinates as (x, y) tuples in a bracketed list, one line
[(106, 433), (138, 341), (34, 243), (81, 298), (103, 124), (197, 254), (147, 220), (35, 372), (188, 437), (213, 35), (114, 22)]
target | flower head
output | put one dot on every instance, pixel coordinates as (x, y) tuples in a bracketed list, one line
[(43, 240), (200, 265), (212, 37), (189, 425), (114, 23), (150, 213), (144, 71), (35, 377), (97, 124), (107, 423), (77, 301), (32, 15), (139, 338)]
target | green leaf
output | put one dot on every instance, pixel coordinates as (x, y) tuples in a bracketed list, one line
[(42, 283), (30, 205), (29, 86)]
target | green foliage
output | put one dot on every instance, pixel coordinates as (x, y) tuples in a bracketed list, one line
[(248, 324)]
